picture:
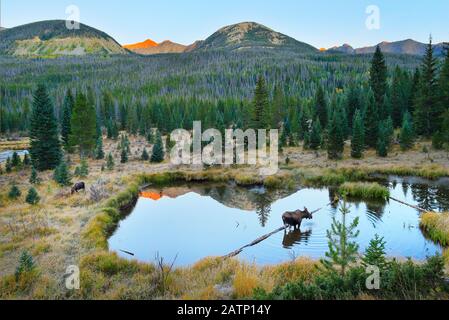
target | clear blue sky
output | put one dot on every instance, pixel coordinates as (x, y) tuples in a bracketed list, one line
[(322, 23)]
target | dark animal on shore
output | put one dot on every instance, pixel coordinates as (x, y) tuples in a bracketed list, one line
[(294, 218), (78, 187)]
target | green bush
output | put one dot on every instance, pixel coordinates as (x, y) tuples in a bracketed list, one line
[(32, 197), (26, 264), (14, 192)]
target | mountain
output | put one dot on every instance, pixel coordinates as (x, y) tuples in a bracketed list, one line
[(408, 46), (346, 48), (53, 38), (251, 35), (141, 45), (150, 47), (1, 28)]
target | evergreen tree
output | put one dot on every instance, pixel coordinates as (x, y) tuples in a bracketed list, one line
[(84, 127), (321, 107), (358, 136), (260, 116), (8, 165), (26, 265), (145, 155), (378, 78), (383, 140), (375, 254), (406, 137), (45, 147), (110, 162), (342, 249), (83, 170), (412, 101), (399, 97), (34, 179), (443, 83), (444, 132), (99, 153), (371, 122), (124, 156), (303, 126), (66, 127), (14, 193), (427, 111), (158, 150), (32, 197), (353, 103), (62, 175), (336, 143), (278, 107), (315, 138), (16, 161), (26, 160)]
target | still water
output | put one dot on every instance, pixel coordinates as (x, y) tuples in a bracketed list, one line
[(192, 221)]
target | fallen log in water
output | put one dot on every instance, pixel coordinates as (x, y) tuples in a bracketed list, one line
[(409, 205), (265, 237)]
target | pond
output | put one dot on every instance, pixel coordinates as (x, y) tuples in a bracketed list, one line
[(188, 222)]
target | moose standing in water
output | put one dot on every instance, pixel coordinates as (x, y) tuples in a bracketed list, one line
[(294, 218), (78, 187)]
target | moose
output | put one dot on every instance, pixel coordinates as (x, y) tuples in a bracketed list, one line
[(78, 187), (294, 218)]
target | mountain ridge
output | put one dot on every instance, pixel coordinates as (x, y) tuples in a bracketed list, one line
[(150, 47), (53, 38), (407, 46)]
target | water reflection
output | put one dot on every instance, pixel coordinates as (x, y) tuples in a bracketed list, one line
[(215, 219), (294, 237)]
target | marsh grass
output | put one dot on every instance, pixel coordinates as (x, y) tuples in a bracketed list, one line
[(436, 226), (364, 190)]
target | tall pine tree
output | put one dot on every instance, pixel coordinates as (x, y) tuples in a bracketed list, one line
[(260, 116), (358, 136), (45, 149), (371, 122), (84, 127), (427, 113), (336, 143), (66, 127), (321, 107), (378, 80)]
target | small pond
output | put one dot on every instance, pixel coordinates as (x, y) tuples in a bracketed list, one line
[(192, 221)]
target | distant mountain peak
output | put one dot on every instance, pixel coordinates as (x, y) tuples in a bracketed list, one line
[(150, 47), (141, 45), (250, 35), (53, 38)]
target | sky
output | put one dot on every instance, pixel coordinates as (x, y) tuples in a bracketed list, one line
[(321, 23)]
